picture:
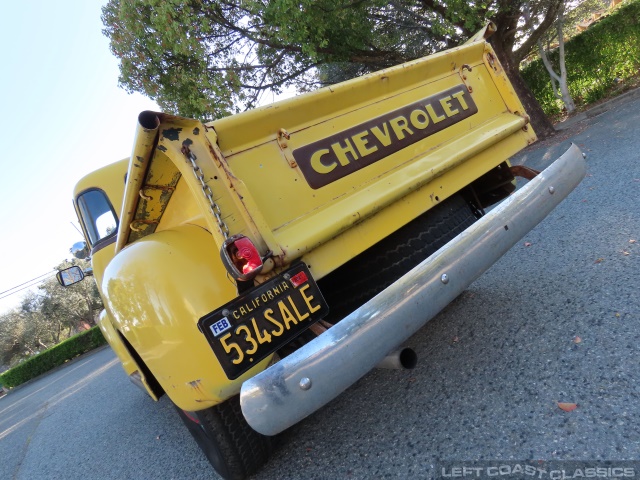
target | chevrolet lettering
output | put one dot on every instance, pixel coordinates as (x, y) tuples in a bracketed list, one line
[(339, 155)]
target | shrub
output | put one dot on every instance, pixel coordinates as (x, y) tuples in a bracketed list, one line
[(53, 357), (597, 60)]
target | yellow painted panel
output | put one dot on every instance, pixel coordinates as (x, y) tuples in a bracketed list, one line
[(308, 232), (301, 218), (156, 290), (182, 209)]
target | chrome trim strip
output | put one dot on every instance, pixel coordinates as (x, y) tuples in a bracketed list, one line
[(301, 383)]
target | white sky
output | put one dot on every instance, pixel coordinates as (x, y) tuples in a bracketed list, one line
[(61, 116)]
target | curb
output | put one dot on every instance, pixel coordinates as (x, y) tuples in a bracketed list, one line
[(598, 109)]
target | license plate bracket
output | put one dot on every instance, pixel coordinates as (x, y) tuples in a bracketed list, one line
[(251, 327)]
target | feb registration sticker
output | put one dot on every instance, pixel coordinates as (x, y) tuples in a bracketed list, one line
[(220, 327)]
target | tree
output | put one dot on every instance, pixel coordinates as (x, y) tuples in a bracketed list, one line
[(47, 317), (210, 58), (11, 337), (558, 80), (519, 26), (565, 26)]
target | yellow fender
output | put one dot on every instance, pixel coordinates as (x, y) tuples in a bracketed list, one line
[(156, 290)]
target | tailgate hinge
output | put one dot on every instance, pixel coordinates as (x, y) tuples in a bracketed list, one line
[(283, 142)]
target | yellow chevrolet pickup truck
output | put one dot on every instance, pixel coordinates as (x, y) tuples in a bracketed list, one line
[(254, 267)]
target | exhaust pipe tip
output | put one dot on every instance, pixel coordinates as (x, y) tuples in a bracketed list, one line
[(403, 359)]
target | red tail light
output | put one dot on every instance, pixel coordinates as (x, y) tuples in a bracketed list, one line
[(241, 258)]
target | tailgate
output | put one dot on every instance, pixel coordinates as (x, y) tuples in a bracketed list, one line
[(321, 162)]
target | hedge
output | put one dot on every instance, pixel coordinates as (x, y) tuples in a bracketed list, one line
[(598, 59), (55, 356)]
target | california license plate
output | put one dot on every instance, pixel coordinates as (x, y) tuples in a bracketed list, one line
[(253, 326)]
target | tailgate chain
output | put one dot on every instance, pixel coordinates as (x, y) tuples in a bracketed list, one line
[(214, 208)]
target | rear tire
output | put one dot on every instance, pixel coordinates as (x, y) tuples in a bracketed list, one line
[(233, 448), (366, 275)]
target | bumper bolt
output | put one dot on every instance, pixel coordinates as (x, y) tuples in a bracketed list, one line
[(444, 278), (305, 383)]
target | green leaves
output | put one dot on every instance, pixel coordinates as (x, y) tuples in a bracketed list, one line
[(605, 55), (165, 50), (53, 357), (209, 58)]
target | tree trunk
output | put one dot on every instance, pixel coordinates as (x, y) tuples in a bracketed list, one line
[(56, 337), (558, 81), (564, 87), (92, 318), (539, 121)]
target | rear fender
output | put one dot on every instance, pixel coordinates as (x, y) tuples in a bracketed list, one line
[(157, 289)]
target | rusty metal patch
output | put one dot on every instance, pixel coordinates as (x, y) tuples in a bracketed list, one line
[(524, 172), (339, 155)]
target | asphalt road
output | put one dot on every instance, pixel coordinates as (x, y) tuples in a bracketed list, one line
[(492, 366)]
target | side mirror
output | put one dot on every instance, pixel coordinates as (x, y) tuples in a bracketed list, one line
[(70, 276), (80, 250)]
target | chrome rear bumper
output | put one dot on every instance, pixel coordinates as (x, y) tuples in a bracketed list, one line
[(301, 383)]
